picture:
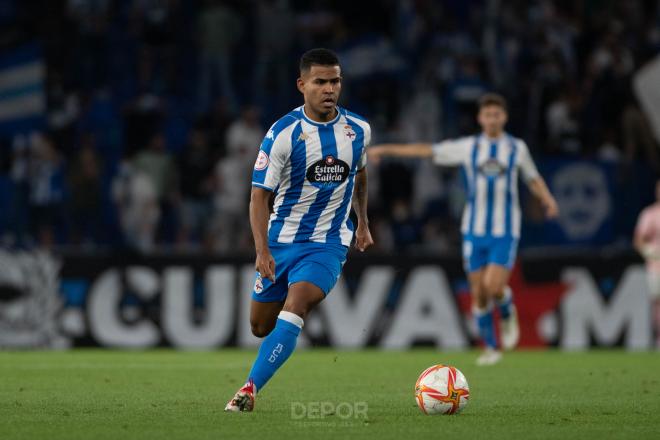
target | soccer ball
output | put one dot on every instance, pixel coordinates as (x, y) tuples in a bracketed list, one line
[(441, 389)]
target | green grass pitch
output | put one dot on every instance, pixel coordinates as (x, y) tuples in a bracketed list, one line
[(93, 394)]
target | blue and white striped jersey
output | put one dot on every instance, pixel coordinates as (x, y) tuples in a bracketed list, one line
[(491, 171), (311, 167)]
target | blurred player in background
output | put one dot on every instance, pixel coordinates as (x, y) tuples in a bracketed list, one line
[(647, 243), (491, 219), (314, 160)]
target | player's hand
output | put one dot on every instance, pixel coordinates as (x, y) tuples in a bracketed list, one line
[(363, 238), (551, 208), (265, 265)]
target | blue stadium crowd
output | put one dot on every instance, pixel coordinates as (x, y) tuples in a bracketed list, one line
[(156, 108)]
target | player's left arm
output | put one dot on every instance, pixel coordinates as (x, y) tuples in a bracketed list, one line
[(362, 235), (536, 183), (539, 189)]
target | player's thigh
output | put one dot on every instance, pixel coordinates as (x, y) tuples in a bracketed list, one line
[(313, 277), (302, 298), (495, 278), (263, 316), (475, 281)]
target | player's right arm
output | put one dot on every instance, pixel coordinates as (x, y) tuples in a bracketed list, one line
[(274, 154), (642, 238), (419, 150), (449, 152), (259, 213)]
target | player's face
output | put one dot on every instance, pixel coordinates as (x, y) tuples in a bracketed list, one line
[(492, 119), (321, 86)]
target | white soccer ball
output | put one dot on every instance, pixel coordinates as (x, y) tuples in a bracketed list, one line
[(442, 389)]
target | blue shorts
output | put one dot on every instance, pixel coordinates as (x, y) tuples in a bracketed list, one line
[(316, 263), (479, 252)]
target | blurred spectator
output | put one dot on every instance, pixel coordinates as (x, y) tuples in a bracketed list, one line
[(19, 174), (91, 19), (276, 29), (47, 190), (563, 125), (195, 168), (245, 133), (220, 29), (137, 204), (232, 177), (215, 123), (85, 189), (160, 168)]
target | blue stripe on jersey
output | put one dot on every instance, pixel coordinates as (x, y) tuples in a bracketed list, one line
[(353, 115), (358, 144), (508, 232), (258, 176), (473, 188), (292, 194), (311, 217), (490, 198)]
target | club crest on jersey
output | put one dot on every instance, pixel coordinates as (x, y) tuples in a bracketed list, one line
[(262, 161), (258, 285), (303, 136), (492, 168), (328, 172), (348, 131)]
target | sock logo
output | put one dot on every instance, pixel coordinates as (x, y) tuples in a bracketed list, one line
[(276, 351)]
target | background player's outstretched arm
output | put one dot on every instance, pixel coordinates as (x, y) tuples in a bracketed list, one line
[(265, 264), (399, 150), (540, 190), (362, 235)]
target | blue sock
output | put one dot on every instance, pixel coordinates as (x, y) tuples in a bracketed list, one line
[(276, 348), (505, 304), (486, 326)]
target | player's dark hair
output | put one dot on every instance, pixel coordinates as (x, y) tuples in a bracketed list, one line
[(492, 99), (319, 57)]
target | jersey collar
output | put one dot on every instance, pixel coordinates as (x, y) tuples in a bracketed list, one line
[(320, 124)]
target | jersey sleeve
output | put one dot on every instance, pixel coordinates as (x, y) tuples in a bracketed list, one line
[(451, 152), (367, 141), (527, 166), (272, 157)]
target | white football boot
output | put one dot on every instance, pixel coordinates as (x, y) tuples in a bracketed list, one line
[(509, 330), (489, 356)]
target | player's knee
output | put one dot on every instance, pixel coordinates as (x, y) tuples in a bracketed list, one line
[(492, 290), (261, 330), (481, 301), (298, 308)]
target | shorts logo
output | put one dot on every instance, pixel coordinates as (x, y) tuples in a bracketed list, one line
[(329, 171), (348, 131), (262, 161), (258, 285)]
